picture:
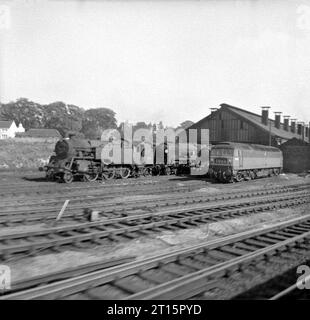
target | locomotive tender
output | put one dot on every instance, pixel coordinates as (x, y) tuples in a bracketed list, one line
[(231, 161)]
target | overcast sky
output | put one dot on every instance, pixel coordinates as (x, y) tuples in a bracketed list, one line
[(158, 60)]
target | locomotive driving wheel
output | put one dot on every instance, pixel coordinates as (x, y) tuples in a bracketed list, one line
[(49, 176), (156, 170), (146, 171), (90, 177), (67, 177), (125, 173), (108, 174)]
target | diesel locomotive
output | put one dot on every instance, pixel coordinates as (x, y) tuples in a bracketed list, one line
[(234, 162)]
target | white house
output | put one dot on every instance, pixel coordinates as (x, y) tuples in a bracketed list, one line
[(8, 129)]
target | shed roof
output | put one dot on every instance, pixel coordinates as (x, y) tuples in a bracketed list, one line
[(5, 124), (42, 133), (256, 120)]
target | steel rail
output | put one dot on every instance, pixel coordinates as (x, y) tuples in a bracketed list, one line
[(218, 195), (76, 212), (65, 274), (132, 226), (194, 281), (155, 216), (288, 290), (165, 291), (7, 190), (120, 190), (99, 196)]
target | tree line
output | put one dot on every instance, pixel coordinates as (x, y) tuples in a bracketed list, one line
[(66, 117)]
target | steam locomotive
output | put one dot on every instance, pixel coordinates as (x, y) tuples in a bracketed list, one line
[(92, 159)]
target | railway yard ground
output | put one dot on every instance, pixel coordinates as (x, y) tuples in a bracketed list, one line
[(160, 237)]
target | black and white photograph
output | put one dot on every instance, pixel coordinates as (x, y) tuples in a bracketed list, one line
[(155, 151)]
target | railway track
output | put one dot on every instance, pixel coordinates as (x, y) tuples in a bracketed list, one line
[(80, 197), (87, 234), (65, 274), (20, 186), (293, 292), (284, 284), (12, 215), (111, 191), (37, 186), (39, 181), (182, 274)]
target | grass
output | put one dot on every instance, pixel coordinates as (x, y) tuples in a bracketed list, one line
[(25, 153)]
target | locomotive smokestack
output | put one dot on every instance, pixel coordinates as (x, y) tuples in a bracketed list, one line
[(286, 122), (293, 125), (265, 115), (277, 119), (213, 110)]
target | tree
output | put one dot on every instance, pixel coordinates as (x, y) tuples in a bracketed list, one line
[(97, 120), (63, 117), (59, 115), (140, 125), (29, 113), (186, 124), (160, 125)]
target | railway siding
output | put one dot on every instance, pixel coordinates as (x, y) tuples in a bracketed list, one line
[(189, 272)]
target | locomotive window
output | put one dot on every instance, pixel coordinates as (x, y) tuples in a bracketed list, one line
[(222, 152)]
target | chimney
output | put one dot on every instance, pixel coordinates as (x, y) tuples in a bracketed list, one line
[(265, 115), (293, 125), (303, 130), (286, 122), (299, 128), (277, 119), (213, 110)]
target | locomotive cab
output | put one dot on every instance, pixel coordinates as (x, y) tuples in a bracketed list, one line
[(222, 160)]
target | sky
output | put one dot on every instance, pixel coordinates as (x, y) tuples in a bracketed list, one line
[(158, 60)]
